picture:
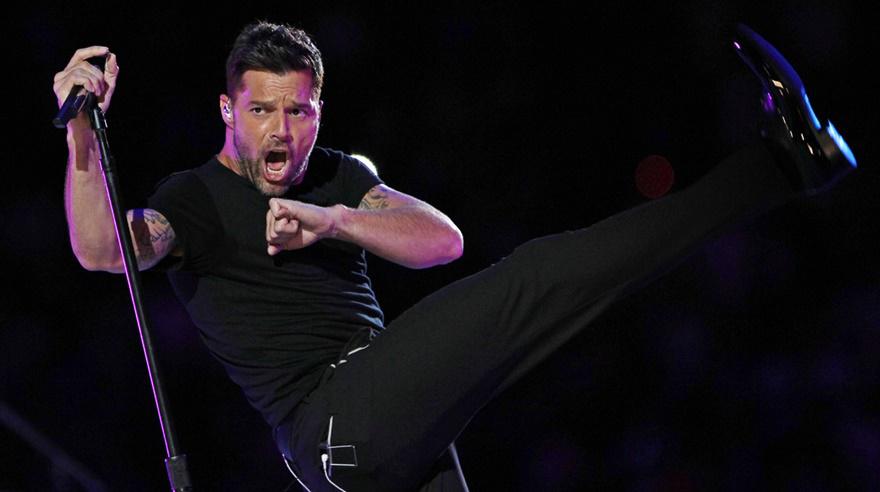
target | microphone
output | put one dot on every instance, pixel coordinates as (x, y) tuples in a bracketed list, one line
[(76, 101)]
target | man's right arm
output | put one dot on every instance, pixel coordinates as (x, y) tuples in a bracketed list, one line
[(89, 218)]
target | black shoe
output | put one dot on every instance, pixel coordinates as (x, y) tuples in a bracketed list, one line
[(812, 156)]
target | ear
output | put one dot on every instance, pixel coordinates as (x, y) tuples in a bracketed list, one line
[(226, 110), (320, 109)]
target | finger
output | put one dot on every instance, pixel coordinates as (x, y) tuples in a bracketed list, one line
[(94, 75), (111, 72), (85, 74), (64, 88), (84, 54), (286, 226), (111, 66), (282, 208), (277, 228), (270, 225), (274, 206)]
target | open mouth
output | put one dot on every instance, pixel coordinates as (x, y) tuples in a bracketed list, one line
[(276, 164)]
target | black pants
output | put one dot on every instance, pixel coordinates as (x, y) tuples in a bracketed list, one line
[(395, 406)]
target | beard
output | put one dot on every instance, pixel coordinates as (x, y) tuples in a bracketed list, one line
[(252, 169)]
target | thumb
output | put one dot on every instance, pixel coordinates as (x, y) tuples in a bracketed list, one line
[(281, 208), (111, 73)]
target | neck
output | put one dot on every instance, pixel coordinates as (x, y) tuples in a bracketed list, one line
[(228, 157)]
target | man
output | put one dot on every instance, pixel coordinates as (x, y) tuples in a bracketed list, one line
[(265, 243)]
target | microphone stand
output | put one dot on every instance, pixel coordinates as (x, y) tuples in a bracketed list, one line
[(175, 463)]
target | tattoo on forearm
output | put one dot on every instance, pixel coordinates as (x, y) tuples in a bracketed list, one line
[(374, 200), (150, 229)]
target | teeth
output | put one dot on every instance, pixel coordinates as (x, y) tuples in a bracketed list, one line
[(275, 171), (276, 162)]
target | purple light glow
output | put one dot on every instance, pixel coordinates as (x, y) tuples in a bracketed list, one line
[(767, 102)]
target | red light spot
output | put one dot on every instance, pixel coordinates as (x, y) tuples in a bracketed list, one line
[(654, 176)]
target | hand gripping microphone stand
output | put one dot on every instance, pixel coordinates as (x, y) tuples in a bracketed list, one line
[(175, 464)]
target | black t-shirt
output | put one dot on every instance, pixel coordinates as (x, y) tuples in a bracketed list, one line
[(274, 322)]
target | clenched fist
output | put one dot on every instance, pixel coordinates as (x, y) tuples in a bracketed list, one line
[(294, 225)]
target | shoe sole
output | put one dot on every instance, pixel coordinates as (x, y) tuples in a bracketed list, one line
[(784, 93)]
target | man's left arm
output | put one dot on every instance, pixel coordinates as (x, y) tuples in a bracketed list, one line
[(388, 223)]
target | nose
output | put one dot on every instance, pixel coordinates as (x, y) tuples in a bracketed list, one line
[(281, 127)]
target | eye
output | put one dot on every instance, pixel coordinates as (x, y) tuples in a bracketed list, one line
[(297, 112), (257, 110)]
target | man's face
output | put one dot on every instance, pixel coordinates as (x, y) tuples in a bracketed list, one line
[(275, 124)]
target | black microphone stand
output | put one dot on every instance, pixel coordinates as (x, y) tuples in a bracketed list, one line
[(175, 463)]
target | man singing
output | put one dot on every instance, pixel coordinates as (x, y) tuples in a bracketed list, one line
[(264, 245)]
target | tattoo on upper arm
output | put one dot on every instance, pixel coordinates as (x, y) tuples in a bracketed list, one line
[(375, 199), (152, 234)]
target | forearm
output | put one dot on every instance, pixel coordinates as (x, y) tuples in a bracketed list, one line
[(89, 219), (416, 235)]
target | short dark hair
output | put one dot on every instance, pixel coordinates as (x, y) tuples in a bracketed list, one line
[(276, 48)]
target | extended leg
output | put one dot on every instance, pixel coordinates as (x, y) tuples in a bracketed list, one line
[(395, 407), (401, 401)]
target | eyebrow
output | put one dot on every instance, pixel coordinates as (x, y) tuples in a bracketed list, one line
[(271, 104)]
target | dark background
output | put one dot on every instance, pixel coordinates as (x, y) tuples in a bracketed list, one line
[(753, 365)]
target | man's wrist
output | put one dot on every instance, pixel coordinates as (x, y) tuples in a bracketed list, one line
[(340, 222), (79, 133)]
